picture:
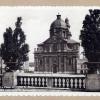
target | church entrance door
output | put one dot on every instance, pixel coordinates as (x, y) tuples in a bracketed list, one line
[(54, 68)]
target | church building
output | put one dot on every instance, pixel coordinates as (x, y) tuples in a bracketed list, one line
[(59, 53)]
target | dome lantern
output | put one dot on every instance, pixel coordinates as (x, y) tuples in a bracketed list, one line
[(58, 16)]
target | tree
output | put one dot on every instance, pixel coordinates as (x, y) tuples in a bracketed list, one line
[(90, 37), (14, 50)]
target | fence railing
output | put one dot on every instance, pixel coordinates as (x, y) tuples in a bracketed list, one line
[(52, 81)]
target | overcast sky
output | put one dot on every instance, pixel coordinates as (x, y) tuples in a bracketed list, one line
[(37, 20)]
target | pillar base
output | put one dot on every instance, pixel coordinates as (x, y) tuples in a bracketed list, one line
[(9, 80), (93, 82)]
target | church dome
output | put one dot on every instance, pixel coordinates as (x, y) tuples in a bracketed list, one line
[(58, 23)]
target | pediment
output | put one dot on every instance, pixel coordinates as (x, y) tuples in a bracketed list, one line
[(54, 39)]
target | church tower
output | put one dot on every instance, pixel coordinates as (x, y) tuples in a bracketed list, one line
[(59, 53)]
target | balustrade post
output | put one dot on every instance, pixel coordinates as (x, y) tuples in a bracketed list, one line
[(49, 82)]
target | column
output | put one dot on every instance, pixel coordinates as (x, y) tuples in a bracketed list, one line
[(59, 47), (59, 63), (42, 63), (75, 65), (50, 64), (37, 65), (64, 63), (68, 69), (72, 68), (45, 64), (72, 63), (50, 48)]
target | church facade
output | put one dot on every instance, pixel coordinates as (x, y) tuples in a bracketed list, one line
[(59, 53)]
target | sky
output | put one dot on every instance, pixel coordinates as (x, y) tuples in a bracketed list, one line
[(36, 22)]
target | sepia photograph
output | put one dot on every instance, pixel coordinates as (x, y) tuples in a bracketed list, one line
[(50, 49)]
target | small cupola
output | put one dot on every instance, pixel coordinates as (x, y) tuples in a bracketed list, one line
[(58, 16)]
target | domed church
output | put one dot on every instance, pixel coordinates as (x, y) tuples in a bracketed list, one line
[(59, 53)]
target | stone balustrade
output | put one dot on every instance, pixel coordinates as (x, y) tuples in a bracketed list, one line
[(52, 81)]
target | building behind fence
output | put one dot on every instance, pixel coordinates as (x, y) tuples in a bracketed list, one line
[(59, 52)]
